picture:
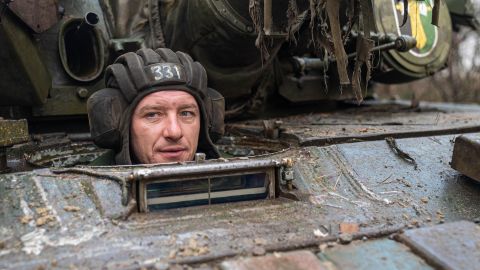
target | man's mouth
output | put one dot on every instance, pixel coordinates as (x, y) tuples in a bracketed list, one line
[(172, 152)]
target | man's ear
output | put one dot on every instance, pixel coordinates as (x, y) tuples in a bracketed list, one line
[(215, 109), (105, 109)]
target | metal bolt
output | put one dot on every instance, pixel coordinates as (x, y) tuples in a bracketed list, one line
[(288, 174), (272, 128), (200, 157), (82, 92)]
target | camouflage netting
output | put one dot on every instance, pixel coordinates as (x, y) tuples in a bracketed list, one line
[(326, 33)]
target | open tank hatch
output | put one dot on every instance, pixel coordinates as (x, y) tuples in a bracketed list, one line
[(209, 182)]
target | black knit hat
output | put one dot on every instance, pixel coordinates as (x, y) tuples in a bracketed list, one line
[(136, 75)]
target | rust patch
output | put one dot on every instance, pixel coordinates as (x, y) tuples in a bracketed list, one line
[(36, 14), (302, 259), (349, 227)]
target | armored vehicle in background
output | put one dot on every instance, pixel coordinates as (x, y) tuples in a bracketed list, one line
[(359, 187), (54, 53)]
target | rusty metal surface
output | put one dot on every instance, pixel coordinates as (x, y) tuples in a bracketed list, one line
[(13, 132), (466, 156), (454, 245), (301, 260), (39, 15), (361, 183)]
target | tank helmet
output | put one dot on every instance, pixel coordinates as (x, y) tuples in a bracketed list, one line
[(135, 75)]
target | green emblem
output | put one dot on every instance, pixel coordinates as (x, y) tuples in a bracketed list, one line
[(419, 25)]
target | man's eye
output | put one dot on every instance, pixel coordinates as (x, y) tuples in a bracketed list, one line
[(187, 113), (152, 115)]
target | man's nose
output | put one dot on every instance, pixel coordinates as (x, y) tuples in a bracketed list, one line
[(173, 130)]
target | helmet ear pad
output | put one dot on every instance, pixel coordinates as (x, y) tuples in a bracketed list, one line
[(215, 110), (105, 109)]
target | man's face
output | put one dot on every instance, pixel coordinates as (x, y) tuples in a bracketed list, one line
[(165, 127)]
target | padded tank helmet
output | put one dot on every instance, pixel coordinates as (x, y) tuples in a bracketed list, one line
[(136, 75)]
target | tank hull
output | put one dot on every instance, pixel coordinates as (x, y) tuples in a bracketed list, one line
[(352, 188)]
